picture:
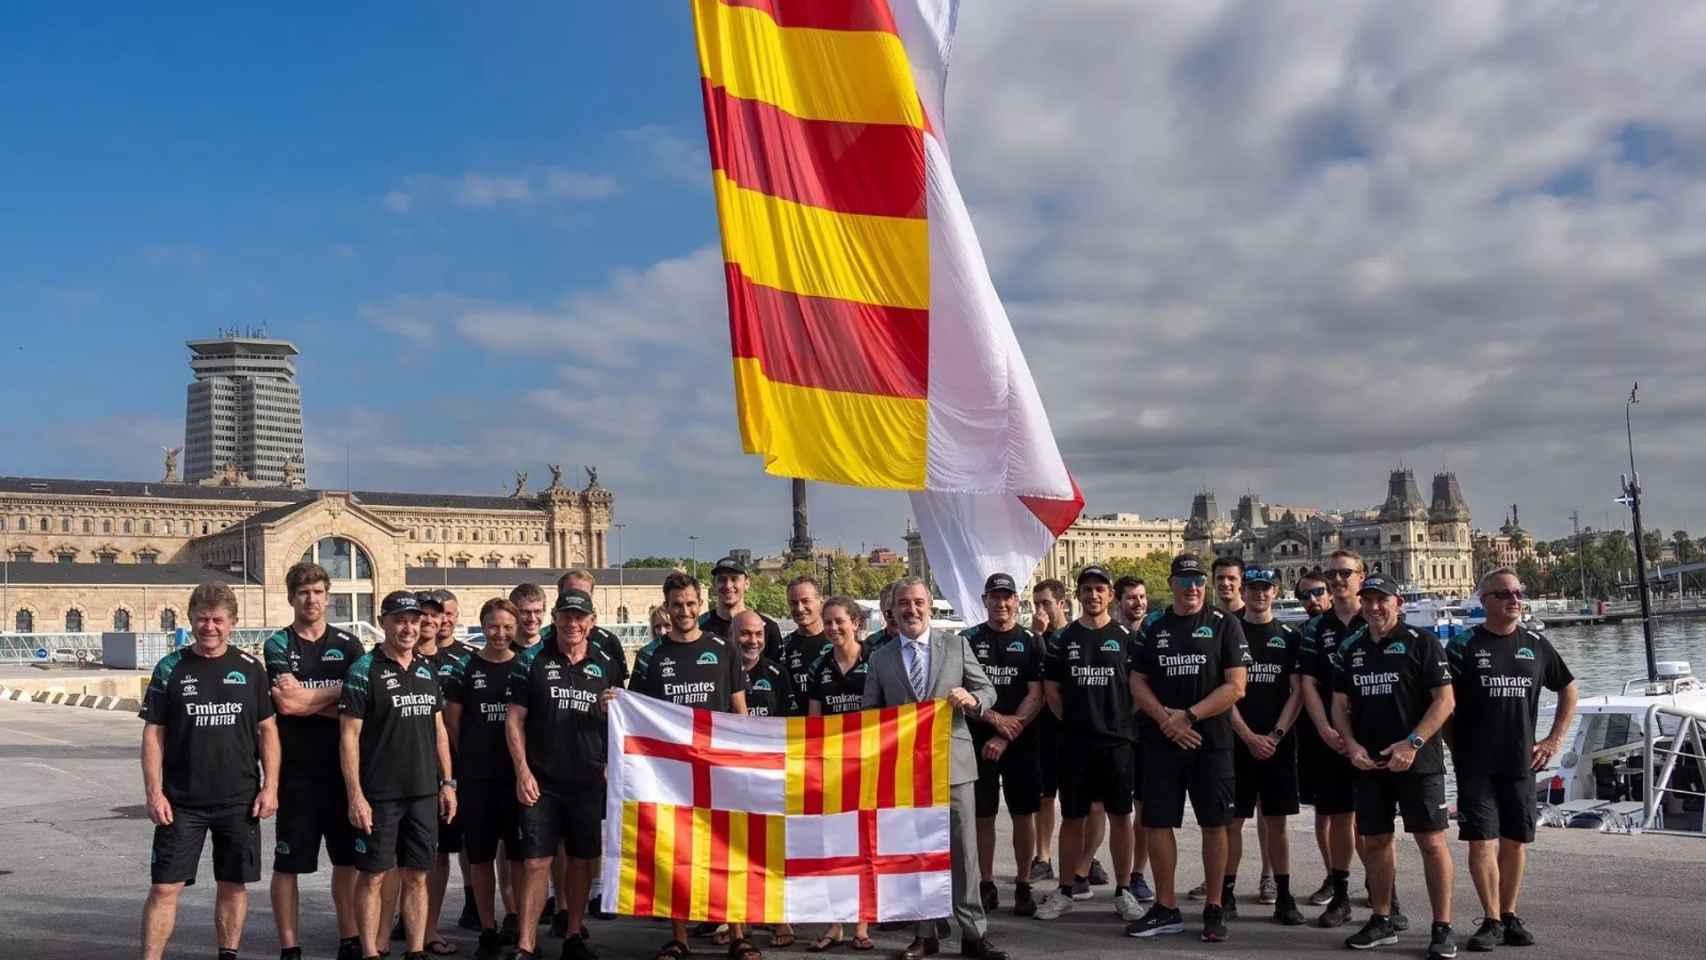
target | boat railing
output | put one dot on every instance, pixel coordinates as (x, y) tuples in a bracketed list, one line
[(1689, 742)]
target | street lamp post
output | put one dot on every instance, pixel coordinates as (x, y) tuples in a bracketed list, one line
[(693, 552), (1632, 496), (621, 575)]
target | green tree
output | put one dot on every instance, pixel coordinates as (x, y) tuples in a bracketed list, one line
[(664, 563), (1686, 551)]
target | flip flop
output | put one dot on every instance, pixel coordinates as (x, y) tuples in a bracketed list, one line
[(441, 948), (673, 950), (742, 949), (781, 939), (824, 944), (863, 943)]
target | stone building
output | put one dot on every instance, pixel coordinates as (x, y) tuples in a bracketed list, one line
[(107, 554), (1506, 548), (1092, 538)]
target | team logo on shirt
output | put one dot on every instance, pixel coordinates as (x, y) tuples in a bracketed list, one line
[(332, 654), (1276, 642), (1397, 648), (1524, 653), (1111, 645), (423, 673), (236, 676), (707, 659), (761, 684), (594, 670), (1203, 631), (1356, 659), (1483, 660), (1017, 646), (479, 682), (552, 673)]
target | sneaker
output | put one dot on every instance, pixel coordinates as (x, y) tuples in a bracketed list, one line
[(1337, 914), (1024, 905), (698, 930), (1198, 892), (1040, 870), (1286, 912), (1159, 920), (1140, 889), (1126, 905), (524, 955), (1229, 905), (290, 953), (349, 948), (1443, 944), (1213, 924), (491, 946), (1098, 875), (1081, 889), (1377, 932), (1055, 905), (1400, 922), (1323, 894), (509, 932), (991, 897), (1267, 891), (1490, 934), (1516, 935), (576, 948)]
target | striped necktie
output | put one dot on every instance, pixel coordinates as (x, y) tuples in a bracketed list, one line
[(915, 672)]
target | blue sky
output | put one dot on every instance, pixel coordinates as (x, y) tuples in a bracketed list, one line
[(489, 229)]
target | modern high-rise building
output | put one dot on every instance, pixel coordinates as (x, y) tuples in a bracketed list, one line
[(244, 411)]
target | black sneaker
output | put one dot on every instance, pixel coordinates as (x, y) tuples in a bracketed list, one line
[(1081, 889), (290, 953), (1400, 922), (349, 948), (509, 932), (698, 930), (1228, 906), (1024, 905), (1286, 912), (1377, 932), (1213, 923), (524, 955), (1443, 944), (1159, 920), (1337, 914), (491, 946), (1040, 870), (1323, 894), (1098, 876), (991, 897), (1516, 935), (549, 913), (576, 948), (1490, 934), (560, 924)]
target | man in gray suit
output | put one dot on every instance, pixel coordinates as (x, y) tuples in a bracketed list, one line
[(921, 664)]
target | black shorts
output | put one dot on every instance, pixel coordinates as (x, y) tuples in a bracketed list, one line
[(1270, 784), (1095, 771), (1419, 797), (307, 811), (1048, 755), (1204, 775), (236, 845), (1495, 808), (486, 810), (1325, 777), (405, 834), (570, 816), (1016, 777)]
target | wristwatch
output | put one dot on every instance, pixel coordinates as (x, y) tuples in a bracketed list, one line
[(1278, 733), (1416, 742), (1191, 716), (448, 782)]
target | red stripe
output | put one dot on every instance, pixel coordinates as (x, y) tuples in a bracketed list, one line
[(645, 857), (718, 903), (814, 765), (867, 168), (888, 863), (923, 773), (681, 878), (888, 746), (1057, 515), (850, 761), (702, 756), (868, 878), (757, 837), (825, 14), (829, 344)]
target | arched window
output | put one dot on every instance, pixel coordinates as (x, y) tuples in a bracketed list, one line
[(121, 620), (106, 526), (73, 620), (147, 526), (127, 525), (44, 525), (185, 527), (24, 622), (88, 525), (351, 571), (204, 528), (168, 619), (428, 532)]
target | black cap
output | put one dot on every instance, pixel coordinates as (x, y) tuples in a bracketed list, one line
[(400, 601), (728, 565), (429, 598), (1000, 581), (1260, 575), (1094, 572), (1378, 584), (1187, 565), (576, 600)]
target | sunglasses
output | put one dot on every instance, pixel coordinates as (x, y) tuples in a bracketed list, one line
[(1505, 594), (1311, 592), (1338, 574), (1190, 580)]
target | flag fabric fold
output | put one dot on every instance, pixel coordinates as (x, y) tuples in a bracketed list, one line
[(870, 347)]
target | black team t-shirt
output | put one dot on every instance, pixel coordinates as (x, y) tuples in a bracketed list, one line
[(482, 688), (769, 692), (566, 730), (1093, 668), (1390, 684), (399, 733), (1273, 662), (1325, 638), (705, 673), (799, 652), (713, 622), (838, 692), (211, 709), (603, 640), (310, 744), (1013, 660), (1497, 682), (1184, 657)]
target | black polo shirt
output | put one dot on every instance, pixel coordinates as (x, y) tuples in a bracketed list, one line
[(398, 707), (566, 730), (1184, 657), (211, 709), (713, 622), (769, 692), (602, 639), (705, 673), (1325, 637), (482, 688), (310, 744), (1012, 659), (837, 692), (1273, 650), (1093, 668), (1497, 682), (799, 652), (1390, 684), (875, 641)]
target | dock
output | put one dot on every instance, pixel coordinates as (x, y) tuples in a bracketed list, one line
[(1624, 610)]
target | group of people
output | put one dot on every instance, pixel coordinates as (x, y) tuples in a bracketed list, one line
[(398, 756)]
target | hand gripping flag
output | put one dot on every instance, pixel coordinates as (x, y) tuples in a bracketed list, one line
[(870, 347), (713, 816)]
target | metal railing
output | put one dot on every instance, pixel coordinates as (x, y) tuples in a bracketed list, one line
[(1690, 732), (49, 647)]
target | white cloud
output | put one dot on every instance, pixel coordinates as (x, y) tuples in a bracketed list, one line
[(473, 190), (670, 153)]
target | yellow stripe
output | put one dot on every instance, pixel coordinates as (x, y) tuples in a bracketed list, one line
[(904, 745), (858, 76), (869, 758), (823, 253), (855, 439), (941, 733), (700, 885), (832, 752), (795, 763), (663, 886), (738, 867), (775, 849), (630, 843)]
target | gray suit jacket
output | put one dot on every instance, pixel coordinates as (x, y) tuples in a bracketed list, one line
[(952, 664)]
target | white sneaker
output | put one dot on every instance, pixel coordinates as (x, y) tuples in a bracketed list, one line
[(1054, 906), (1198, 892), (1126, 906), (1268, 890)]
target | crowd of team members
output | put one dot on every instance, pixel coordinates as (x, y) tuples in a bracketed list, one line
[(399, 756)]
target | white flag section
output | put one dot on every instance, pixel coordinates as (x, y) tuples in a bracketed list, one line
[(997, 491)]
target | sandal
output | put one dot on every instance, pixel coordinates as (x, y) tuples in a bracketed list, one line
[(740, 948), (440, 948), (722, 937), (862, 943), (825, 944), (673, 950), (781, 938)]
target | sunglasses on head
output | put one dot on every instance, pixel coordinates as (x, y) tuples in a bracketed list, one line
[(1190, 580), (1338, 574), (1505, 594), (1311, 592)]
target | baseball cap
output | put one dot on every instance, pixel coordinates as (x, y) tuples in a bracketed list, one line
[(1000, 581), (399, 601), (1378, 584), (1261, 575), (1187, 565), (728, 565), (429, 598), (1094, 572), (576, 600)]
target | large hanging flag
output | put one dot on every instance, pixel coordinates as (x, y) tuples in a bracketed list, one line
[(713, 816), (870, 347)]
